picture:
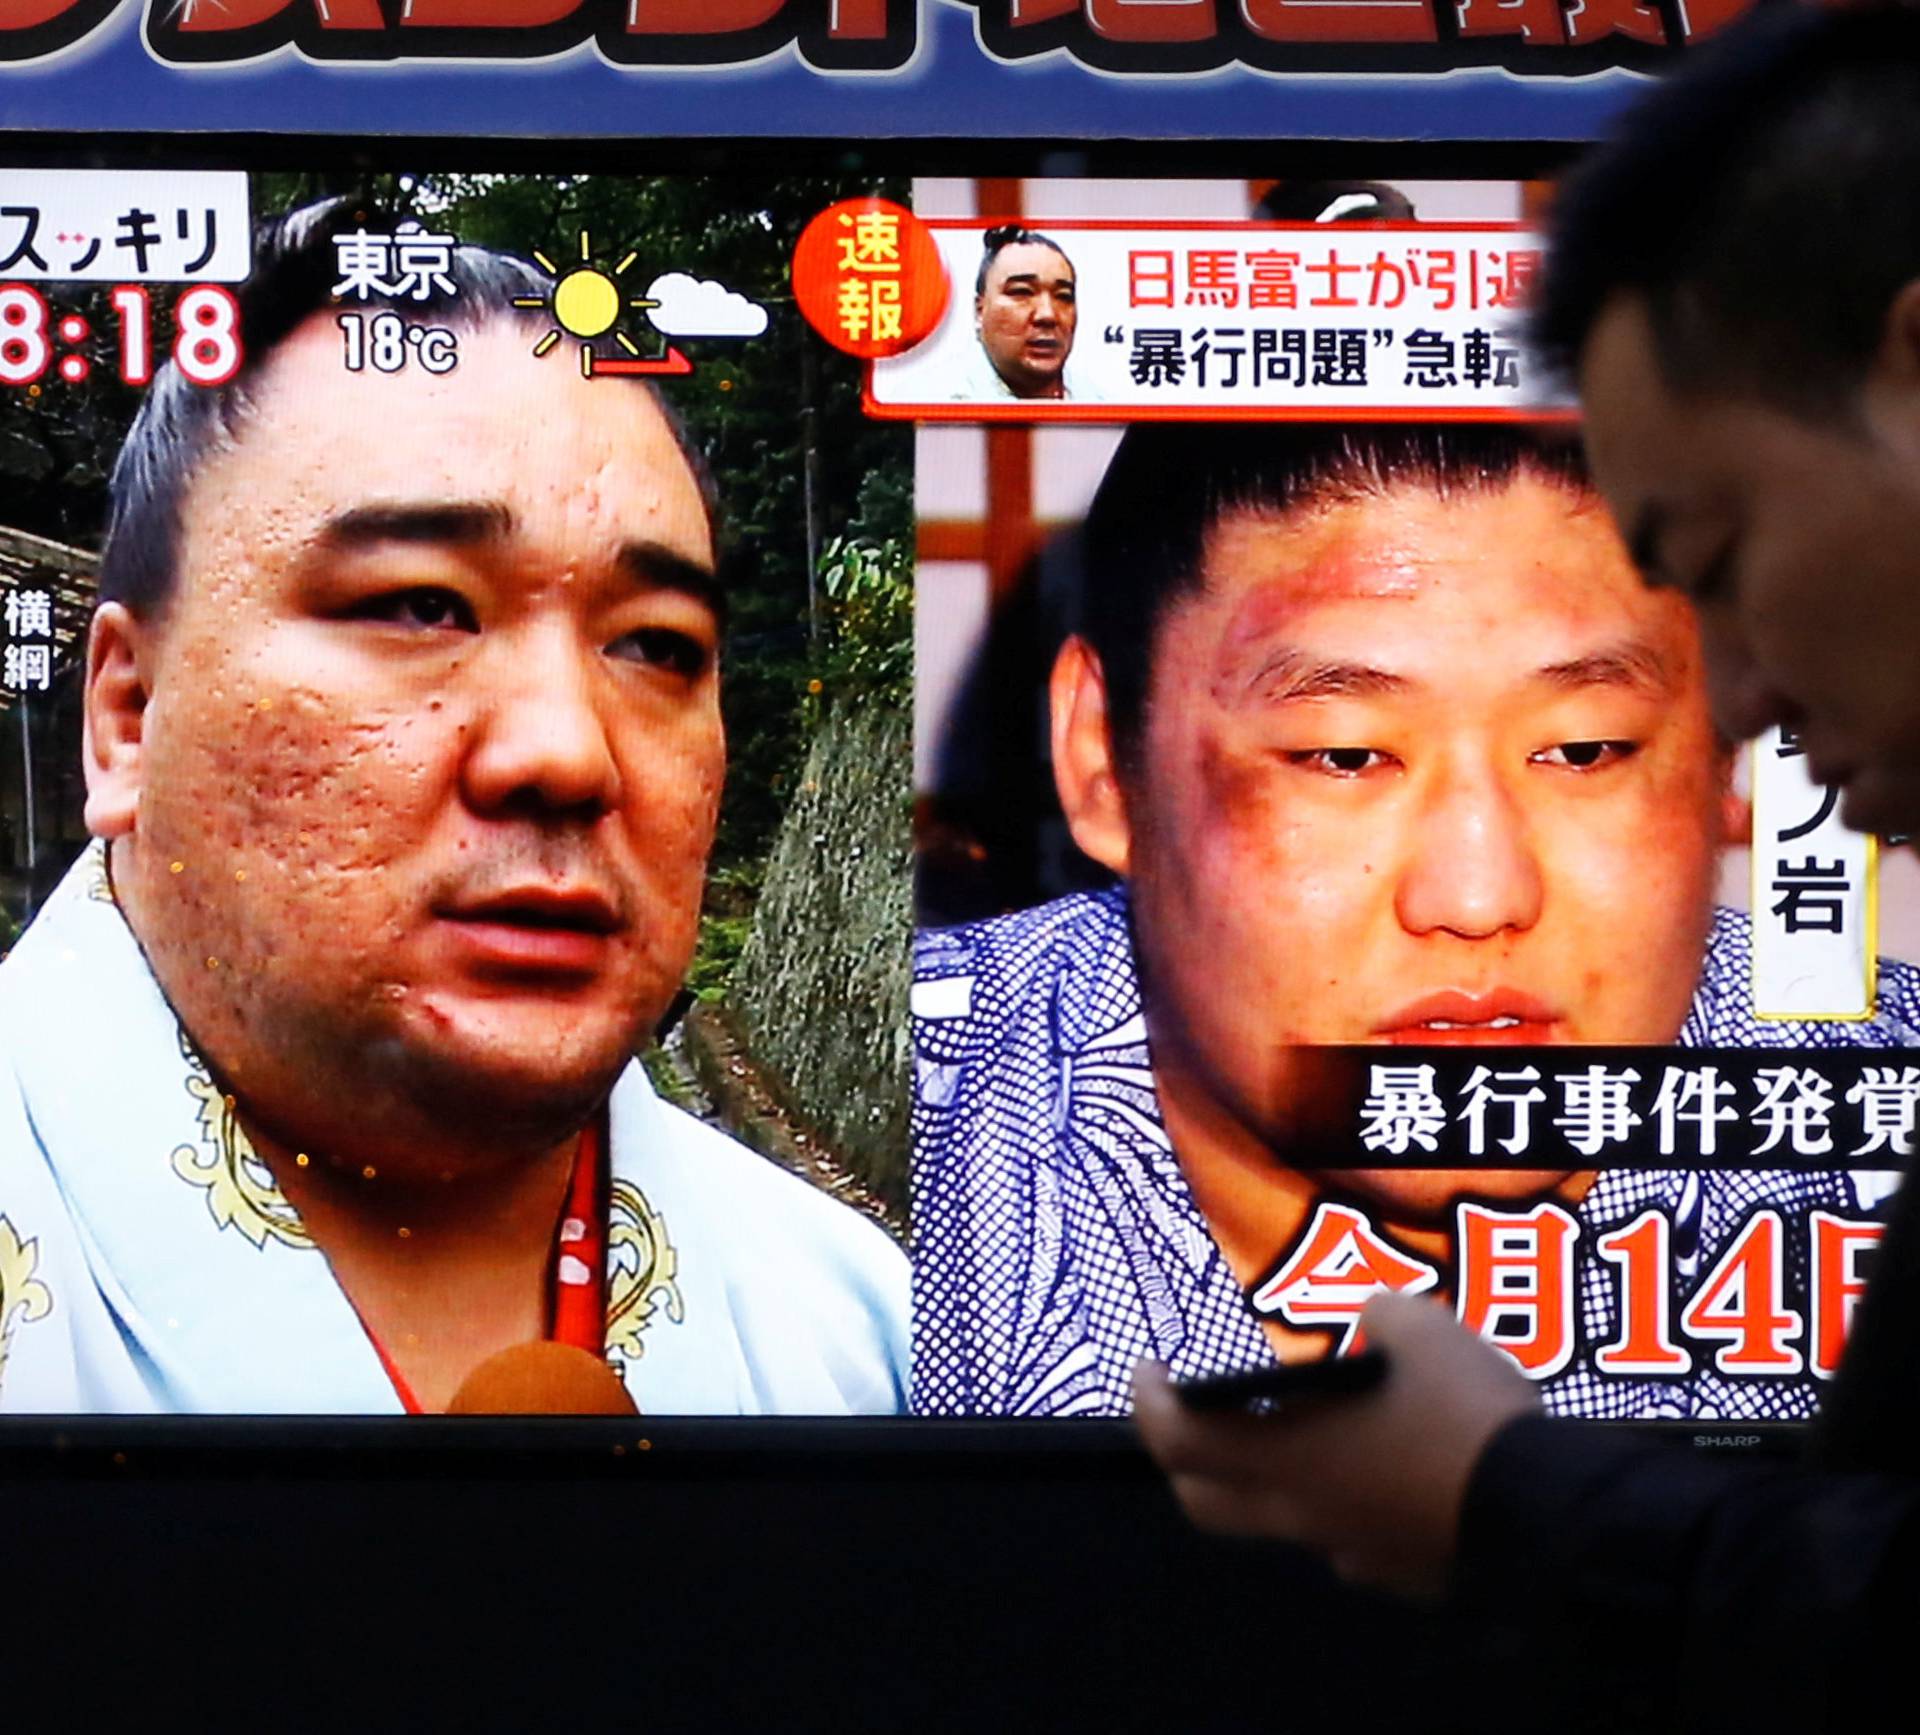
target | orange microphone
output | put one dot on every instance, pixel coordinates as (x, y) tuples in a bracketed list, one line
[(543, 1379)]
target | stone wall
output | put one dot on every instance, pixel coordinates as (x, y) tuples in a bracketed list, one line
[(820, 992)]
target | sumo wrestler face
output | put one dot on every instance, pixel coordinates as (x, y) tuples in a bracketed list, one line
[(1424, 769), (1026, 314), (412, 785)]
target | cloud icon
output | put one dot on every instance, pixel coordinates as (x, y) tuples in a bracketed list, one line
[(699, 307)]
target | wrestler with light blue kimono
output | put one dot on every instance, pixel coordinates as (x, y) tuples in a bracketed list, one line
[(317, 1076), (148, 1261)]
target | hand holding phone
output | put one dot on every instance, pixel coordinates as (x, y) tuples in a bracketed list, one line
[(1331, 1377)]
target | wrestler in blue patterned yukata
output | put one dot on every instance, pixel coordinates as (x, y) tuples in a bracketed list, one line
[(1384, 743)]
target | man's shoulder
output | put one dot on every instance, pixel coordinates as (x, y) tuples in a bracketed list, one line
[(45, 1286), (25, 1178), (1899, 997), (76, 939), (816, 1293), (1722, 1013), (755, 1196), (1028, 937), (1069, 962), (77, 994)]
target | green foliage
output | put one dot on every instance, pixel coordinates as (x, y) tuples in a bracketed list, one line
[(721, 938), (666, 1080), (732, 890), (867, 648)]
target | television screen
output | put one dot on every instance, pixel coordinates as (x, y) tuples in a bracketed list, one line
[(1330, 876), (423, 592), (829, 790)]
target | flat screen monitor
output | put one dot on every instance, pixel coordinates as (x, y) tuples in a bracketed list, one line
[(820, 798)]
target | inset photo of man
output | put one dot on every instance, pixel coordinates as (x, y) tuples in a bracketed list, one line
[(1025, 309)]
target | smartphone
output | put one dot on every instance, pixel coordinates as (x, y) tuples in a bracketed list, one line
[(1333, 1377)]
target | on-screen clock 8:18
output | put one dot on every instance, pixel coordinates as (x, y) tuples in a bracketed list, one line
[(206, 336)]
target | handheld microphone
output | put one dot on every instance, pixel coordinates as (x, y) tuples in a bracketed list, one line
[(543, 1379)]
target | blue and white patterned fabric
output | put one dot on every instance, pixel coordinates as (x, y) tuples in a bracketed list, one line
[(1057, 1242)]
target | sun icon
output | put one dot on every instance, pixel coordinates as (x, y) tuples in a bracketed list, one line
[(586, 303)]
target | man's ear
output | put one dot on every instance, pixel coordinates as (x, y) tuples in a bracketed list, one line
[(113, 735), (1893, 386), (1084, 769), (1736, 819), (1736, 805)]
